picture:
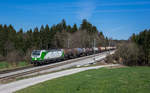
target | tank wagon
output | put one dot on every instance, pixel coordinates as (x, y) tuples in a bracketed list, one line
[(54, 55)]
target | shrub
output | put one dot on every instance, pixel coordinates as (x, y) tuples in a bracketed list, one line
[(14, 57), (110, 59), (2, 58), (27, 57), (129, 54)]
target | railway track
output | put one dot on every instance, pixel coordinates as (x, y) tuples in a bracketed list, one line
[(11, 77), (16, 69), (27, 67)]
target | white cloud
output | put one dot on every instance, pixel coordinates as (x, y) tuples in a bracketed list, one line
[(86, 9)]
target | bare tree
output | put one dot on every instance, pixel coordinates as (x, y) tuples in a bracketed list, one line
[(14, 57)]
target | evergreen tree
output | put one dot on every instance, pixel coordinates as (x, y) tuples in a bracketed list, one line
[(74, 28), (69, 28), (87, 26), (143, 41), (63, 24), (36, 38)]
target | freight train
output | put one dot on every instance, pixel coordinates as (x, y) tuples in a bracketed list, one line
[(55, 55)]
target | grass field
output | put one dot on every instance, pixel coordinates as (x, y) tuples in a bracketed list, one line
[(104, 80), (6, 65)]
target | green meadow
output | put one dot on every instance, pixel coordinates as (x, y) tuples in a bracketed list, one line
[(104, 80)]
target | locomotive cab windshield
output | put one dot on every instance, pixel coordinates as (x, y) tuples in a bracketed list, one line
[(36, 53)]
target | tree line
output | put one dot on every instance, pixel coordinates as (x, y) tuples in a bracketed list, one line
[(143, 42), (17, 45)]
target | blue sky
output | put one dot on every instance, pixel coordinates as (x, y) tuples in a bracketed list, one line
[(115, 18)]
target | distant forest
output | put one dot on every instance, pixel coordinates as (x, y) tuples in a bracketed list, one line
[(17, 45)]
